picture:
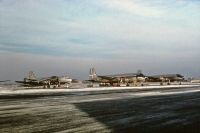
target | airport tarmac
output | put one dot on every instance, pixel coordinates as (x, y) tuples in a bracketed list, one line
[(154, 109)]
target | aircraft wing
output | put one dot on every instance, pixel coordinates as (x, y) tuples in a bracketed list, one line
[(153, 78), (166, 77), (29, 83), (51, 79), (56, 80), (107, 77), (4, 80)]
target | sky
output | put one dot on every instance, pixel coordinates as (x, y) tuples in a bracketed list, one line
[(67, 37)]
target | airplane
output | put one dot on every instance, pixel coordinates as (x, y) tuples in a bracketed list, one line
[(116, 79), (32, 81), (166, 78)]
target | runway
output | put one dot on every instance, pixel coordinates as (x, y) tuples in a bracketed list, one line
[(122, 110)]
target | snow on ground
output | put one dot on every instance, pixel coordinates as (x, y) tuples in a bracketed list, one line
[(141, 94), (160, 93), (6, 91)]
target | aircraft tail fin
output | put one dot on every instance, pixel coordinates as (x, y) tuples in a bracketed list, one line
[(30, 77), (92, 74)]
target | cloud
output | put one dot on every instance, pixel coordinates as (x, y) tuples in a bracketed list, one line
[(69, 30), (131, 7), (102, 33)]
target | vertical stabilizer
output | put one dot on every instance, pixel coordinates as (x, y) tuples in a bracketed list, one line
[(31, 75), (92, 74)]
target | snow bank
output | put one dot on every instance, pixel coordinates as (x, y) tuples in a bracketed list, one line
[(43, 91)]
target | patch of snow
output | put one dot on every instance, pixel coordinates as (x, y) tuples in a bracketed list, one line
[(174, 121), (43, 91), (159, 93)]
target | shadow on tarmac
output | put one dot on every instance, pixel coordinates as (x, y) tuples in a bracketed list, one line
[(174, 113)]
